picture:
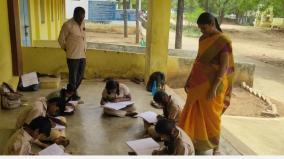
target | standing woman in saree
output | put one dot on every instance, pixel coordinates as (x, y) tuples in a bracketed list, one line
[(208, 87)]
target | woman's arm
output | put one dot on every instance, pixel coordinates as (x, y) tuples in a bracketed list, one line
[(224, 62)]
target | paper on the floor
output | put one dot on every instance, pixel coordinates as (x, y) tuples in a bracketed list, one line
[(53, 149), (143, 146), (74, 102), (29, 79), (150, 117), (59, 127), (118, 105), (68, 109)]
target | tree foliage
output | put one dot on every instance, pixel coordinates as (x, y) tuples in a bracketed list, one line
[(240, 8)]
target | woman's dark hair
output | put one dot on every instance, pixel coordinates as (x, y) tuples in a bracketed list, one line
[(208, 18), (111, 85), (43, 124), (165, 126)]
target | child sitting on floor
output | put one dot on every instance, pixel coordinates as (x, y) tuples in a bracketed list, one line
[(176, 141), (45, 109), (20, 142), (117, 92), (64, 95), (171, 111)]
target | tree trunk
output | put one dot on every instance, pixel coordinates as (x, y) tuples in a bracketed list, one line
[(221, 15), (138, 5), (125, 18), (206, 5), (179, 24)]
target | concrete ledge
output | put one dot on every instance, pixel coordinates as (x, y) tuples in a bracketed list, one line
[(179, 69), (49, 83)]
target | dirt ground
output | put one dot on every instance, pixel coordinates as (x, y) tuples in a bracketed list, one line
[(110, 33), (110, 38), (244, 104), (262, 44)]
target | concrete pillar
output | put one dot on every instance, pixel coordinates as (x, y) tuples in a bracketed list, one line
[(158, 26)]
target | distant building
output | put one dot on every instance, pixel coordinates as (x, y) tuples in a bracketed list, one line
[(99, 10)]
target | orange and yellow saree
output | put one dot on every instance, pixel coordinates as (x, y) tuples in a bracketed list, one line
[(201, 117)]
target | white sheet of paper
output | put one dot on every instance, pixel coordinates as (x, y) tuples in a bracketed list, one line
[(143, 146), (118, 105), (53, 149), (73, 102), (58, 117), (68, 109), (60, 127), (29, 79), (150, 117)]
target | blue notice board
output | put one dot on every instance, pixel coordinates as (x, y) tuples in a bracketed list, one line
[(102, 10)]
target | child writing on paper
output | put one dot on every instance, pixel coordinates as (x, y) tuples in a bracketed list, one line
[(171, 111), (48, 109), (20, 142), (64, 95), (117, 92), (176, 141)]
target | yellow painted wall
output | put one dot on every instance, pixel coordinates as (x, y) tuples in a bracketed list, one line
[(99, 63), (50, 29), (5, 46)]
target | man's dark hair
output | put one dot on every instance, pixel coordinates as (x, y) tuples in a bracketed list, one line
[(78, 11), (158, 97), (165, 126), (43, 124), (111, 85)]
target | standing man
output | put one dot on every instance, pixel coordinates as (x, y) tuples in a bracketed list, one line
[(72, 40)]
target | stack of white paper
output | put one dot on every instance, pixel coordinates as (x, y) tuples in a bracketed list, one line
[(59, 127), (53, 149), (118, 105), (74, 102), (29, 79), (68, 109), (150, 117), (143, 146)]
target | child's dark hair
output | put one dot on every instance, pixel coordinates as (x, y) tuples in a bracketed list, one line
[(165, 126), (158, 97), (54, 100), (70, 88), (43, 124), (111, 85), (159, 77), (208, 18)]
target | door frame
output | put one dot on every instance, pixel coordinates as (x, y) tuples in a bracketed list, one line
[(15, 37)]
